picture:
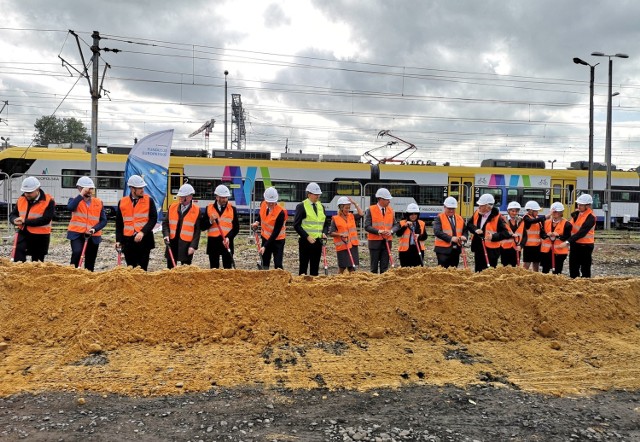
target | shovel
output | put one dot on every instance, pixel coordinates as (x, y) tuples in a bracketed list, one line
[(170, 252), (464, 255), (486, 255), (324, 256), (233, 262), (84, 250), (553, 257), (515, 245), (257, 238), (393, 264), (353, 264), (15, 245), (415, 240)]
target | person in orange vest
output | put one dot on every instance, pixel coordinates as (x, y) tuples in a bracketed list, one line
[(488, 228), (344, 230), (450, 233), (88, 218), (531, 240), (413, 234), (509, 248), (135, 219), (181, 227), (380, 224), (221, 215), (272, 219), (32, 214), (582, 239), (556, 231)]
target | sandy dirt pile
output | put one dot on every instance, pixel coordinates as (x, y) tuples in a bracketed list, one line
[(127, 331)]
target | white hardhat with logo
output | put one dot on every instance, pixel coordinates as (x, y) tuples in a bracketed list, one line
[(384, 194), (186, 190), (532, 205), (29, 184), (271, 195), (343, 200), (557, 207), (413, 208), (514, 205), (585, 198), (136, 181), (85, 181), (314, 188), (222, 191), (451, 203), (486, 199)]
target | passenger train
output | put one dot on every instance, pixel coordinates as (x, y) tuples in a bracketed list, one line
[(248, 173)]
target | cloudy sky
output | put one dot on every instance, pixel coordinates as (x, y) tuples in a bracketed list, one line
[(462, 80)]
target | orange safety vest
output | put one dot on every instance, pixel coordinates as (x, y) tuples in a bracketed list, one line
[(576, 224), (37, 211), (510, 243), (403, 245), (533, 235), (379, 222), (268, 222), (446, 228), (491, 226), (188, 222), (134, 217), (225, 219), (85, 217), (546, 243), (345, 225)]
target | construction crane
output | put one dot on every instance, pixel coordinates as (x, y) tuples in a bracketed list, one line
[(393, 159), (206, 127)]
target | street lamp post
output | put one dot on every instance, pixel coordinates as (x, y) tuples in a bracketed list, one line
[(5, 142), (225, 109), (607, 146), (592, 68), (551, 161)]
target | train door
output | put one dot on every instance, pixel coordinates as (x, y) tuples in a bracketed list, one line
[(563, 191), (173, 185), (461, 189)]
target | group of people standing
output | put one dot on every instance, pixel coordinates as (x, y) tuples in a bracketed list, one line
[(540, 240)]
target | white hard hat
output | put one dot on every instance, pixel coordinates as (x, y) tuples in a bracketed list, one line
[(186, 190), (557, 207), (413, 208), (136, 181), (222, 191), (451, 203), (271, 195), (532, 205), (343, 200), (29, 184), (486, 198), (314, 188), (585, 198), (514, 205), (85, 181), (384, 194)]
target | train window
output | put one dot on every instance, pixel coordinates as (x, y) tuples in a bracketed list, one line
[(537, 195), (175, 181), (496, 192), (455, 189), (556, 193), (70, 177), (110, 179), (289, 192), (466, 189), (598, 198), (429, 195), (348, 188), (204, 188)]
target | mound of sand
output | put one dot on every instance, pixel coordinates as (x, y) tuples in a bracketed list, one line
[(189, 329)]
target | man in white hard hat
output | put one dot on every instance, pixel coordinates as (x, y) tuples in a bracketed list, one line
[(450, 234), (556, 230), (181, 227), (32, 215), (344, 231), (88, 218), (582, 239), (311, 223), (136, 217), (272, 219), (413, 234), (380, 224), (510, 247), (489, 229), (531, 240), (222, 226)]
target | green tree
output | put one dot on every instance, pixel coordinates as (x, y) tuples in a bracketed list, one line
[(54, 130)]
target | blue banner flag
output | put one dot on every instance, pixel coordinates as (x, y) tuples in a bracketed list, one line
[(149, 158)]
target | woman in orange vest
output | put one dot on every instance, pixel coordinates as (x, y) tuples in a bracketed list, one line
[(32, 214), (531, 240), (489, 229), (509, 248), (344, 231), (181, 227), (413, 234), (556, 231), (582, 239), (221, 216), (272, 218), (87, 221)]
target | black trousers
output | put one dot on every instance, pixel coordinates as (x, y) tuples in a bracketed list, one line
[(90, 253), (310, 255), (277, 251), (447, 260), (580, 260), (136, 254), (379, 256), (508, 257), (481, 260), (545, 263), (216, 249), (174, 244), (32, 245), (411, 258)]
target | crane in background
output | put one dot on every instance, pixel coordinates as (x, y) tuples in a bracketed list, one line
[(206, 127)]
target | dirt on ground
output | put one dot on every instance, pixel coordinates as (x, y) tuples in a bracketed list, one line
[(413, 354)]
